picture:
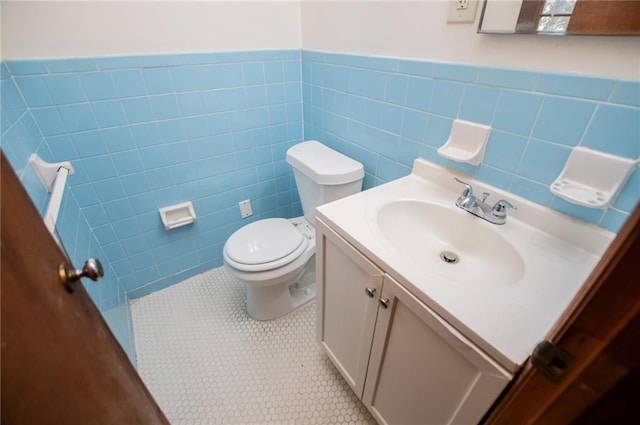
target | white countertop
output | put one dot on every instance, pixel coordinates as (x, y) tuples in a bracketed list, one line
[(506, 320)]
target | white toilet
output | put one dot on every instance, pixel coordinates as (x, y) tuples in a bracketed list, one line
[(275, 257)]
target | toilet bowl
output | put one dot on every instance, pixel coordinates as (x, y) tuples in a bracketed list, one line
[(275, 257)]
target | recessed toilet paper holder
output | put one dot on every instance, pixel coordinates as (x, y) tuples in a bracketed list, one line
[(177, 215)]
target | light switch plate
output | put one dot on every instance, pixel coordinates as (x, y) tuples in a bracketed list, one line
[(459, 14), (245, 208)]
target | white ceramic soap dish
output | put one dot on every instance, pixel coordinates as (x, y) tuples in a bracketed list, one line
[(591, 178), (467, 142)]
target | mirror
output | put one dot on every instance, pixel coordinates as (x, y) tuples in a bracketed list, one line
[(561, 17)]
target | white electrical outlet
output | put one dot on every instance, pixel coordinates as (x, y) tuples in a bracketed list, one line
[(462, 10), (245, 208)]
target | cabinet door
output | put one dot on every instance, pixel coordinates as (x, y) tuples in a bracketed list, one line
[(422, 371), (348, 287)]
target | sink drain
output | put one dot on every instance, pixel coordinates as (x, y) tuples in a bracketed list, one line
[(449, 257)]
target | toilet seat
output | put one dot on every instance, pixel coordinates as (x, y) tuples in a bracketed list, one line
[(265, 244)]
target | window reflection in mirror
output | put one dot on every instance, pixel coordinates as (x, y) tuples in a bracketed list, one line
[(561, 17)]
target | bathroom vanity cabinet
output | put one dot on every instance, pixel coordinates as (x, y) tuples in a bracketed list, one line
[(407, 364)]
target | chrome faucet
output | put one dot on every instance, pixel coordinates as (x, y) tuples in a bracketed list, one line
[(496, 214)]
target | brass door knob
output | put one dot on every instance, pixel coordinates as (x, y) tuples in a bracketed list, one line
[(69, 275)]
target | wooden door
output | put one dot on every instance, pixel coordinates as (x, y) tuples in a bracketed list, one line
[(422, 370), (620, 17), (346, 311), (589, 17), (60, 362)]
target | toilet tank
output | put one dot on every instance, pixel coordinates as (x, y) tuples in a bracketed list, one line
[(322, 175)]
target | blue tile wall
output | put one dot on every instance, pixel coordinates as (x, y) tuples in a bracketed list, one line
[(21, 136), (108, 294), (146, 132), (385, 112)]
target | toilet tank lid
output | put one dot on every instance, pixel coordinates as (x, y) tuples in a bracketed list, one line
[(324, 165)]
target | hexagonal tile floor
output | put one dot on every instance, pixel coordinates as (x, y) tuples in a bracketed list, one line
[(206, 362)]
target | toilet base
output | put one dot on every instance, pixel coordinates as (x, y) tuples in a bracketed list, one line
[(271, 302)]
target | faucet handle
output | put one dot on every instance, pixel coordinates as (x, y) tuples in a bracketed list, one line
[(468, 189), (499, 208)]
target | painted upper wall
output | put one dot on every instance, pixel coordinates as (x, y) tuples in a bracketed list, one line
[(420, 30), (389, 28), (50, 29)]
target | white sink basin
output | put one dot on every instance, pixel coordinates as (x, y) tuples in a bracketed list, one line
[(451, 242), (512, 282)]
